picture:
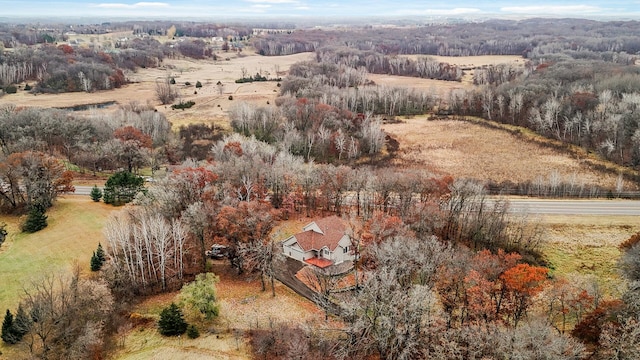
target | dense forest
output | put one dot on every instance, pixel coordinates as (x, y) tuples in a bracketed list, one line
[(442, 271)]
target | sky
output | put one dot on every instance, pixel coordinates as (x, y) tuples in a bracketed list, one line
[(291, 9)]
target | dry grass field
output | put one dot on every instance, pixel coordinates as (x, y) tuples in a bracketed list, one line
[(243, 307), (469, 63), (588, 246), (211, 106), (469, 150)]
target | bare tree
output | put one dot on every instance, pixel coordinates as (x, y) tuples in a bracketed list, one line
[(261, 255), (68, 315), (147, 250), (386, 320), (165, 93)]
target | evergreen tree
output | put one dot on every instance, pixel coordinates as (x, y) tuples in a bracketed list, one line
[(98, 258), (21, 323), (96, 193), (172, 321), (8, 331), (3, 233), (36, 220), (101, 254), (122, 187), (96, 264)]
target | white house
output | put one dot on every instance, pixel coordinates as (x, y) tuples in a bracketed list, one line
[(321, 243)]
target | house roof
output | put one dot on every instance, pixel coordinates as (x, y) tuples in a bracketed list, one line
[(332, 230), (319, 262)]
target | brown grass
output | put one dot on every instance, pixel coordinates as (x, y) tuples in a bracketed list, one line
[(211, 107), (243, 307), (467, 150), (588, 245)]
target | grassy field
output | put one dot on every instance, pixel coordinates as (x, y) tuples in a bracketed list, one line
[(75, 228), (243, 307), (588, 245), (465, 149), (211, 106)]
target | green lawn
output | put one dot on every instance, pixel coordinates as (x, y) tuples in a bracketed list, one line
[(75, 228), (600, 262)]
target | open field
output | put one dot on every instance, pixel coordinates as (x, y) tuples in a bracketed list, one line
[(468, 63), (588, 245), (75, 228), (467, 150), (211, 106), (74, 231), (243, 307)]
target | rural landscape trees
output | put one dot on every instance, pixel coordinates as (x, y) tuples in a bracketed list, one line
[(442, 270)]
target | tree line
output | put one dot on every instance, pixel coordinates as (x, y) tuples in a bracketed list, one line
[(492, 37)]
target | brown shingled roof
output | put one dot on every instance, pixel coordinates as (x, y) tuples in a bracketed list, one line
[(333, 229)]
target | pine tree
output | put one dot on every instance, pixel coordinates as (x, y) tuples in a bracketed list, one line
[(171, 321), (100, 254), (98, 258), (36, 220), (21, 323), (96, 264), (96, 193), (8, 331)]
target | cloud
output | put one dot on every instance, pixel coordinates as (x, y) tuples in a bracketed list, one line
[(140, 5), (261, 6), (551, 9), (273, 1)]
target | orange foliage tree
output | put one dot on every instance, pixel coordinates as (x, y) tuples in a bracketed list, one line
[(489, 287), (243, 224), (132, 145)]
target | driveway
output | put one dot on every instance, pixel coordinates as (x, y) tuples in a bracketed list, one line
[(287, 275)]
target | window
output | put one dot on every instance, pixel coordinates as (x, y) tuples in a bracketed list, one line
[(346, 249)]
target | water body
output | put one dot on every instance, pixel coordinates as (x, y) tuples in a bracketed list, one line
[(83, 107)]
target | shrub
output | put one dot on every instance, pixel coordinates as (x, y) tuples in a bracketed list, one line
[(15, 328), (10, 89), (98, 258), (192, 332), (27, 87), (172, 81), (3, 233), (187, 83), (198, 84), (183, 105), (230, 97), (8, 335), (172, 321)]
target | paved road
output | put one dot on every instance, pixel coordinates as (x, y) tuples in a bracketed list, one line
[(543, 206), (576, 207), (83, 190)]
